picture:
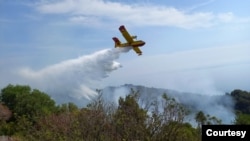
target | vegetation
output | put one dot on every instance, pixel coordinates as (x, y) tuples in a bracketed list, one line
[(31, 115), (242, 101), (242, 106)]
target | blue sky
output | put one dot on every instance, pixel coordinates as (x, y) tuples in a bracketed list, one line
[(195, 45)]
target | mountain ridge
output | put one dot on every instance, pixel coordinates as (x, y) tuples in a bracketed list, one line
[(220, 106)]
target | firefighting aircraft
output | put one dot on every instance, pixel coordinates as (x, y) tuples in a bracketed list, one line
[(135, 44)]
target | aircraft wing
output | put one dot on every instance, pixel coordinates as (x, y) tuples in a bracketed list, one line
[(137, 50), (125, 34)]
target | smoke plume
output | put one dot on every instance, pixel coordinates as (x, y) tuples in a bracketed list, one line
[(221, 106), (75, 80)]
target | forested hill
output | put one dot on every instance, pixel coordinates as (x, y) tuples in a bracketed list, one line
[(142, 113), (220, 106), (238, 99), (228, 107)]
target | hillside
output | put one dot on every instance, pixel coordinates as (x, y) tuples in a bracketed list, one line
[(220, 106), (143, 113)]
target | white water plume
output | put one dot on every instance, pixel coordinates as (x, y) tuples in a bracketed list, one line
[(75, 80)]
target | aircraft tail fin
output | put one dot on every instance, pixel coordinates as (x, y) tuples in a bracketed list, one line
[(117, 41)]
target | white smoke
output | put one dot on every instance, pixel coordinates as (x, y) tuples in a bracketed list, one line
[(75, 80), (220, 106)]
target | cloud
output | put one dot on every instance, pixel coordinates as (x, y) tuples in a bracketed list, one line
[(196, 59), (226, 17), (199, 5), (137, 14), (74, 80)]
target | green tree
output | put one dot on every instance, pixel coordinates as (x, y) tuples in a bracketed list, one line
[(242, 119), (200, 119), (187, 133), (23, 101), (67, 107), (97, 118), (27, 107), (242, 101), (130, 119), (70, 123), (167, 119)]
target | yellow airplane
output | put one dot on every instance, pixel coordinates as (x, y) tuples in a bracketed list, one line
[(130, 41)]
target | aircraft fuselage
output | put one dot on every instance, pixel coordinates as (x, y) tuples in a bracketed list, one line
[(138, 43)]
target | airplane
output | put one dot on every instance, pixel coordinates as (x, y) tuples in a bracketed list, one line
[(135, 44)]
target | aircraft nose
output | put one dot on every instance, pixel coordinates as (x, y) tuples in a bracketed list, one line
[(143, 43), (138, 43)]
